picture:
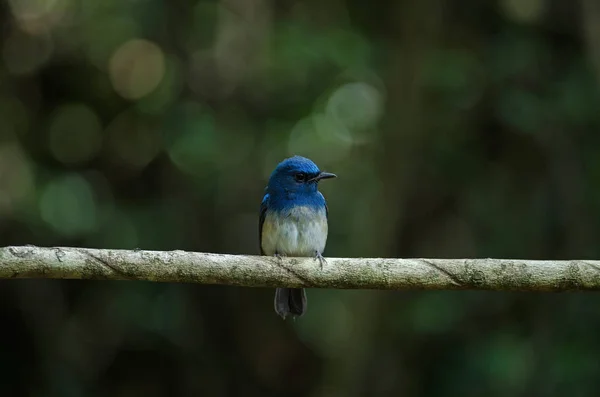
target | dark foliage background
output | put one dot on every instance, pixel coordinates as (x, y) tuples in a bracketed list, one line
[(457, 129)]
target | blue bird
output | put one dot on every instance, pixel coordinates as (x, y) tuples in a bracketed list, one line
[(293, 222)]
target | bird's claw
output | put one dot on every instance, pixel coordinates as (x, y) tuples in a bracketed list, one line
[(279, 256), (320, 258)]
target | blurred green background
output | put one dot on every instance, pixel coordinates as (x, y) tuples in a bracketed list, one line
[(457, 129)]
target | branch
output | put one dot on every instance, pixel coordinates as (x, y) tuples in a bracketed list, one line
[(261, 271)]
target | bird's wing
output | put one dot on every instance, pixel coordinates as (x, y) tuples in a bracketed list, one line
[(261, 220), (326, 208)]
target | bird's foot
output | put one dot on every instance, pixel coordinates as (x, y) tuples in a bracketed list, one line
[(279, 256), (320, 258)]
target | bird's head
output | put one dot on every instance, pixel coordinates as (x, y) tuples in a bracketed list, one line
[(296, 175)]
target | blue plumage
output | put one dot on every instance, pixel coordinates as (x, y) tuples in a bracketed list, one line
[(293, 222)]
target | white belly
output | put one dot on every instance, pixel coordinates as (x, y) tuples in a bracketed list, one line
[(301, 231)]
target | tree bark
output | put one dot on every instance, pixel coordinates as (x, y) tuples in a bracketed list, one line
[(257, 271)]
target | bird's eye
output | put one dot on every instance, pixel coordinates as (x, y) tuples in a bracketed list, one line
[(300, 177)]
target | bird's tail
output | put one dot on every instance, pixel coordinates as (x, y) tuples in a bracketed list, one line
[(290, 301)]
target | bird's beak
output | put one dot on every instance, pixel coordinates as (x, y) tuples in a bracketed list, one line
[(323, 175)]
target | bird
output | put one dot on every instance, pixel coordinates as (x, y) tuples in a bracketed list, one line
[(293, 221)]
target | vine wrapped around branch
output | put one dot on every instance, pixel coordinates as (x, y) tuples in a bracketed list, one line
[(261, 271)]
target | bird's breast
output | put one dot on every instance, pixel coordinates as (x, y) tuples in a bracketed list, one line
[(297, 231)]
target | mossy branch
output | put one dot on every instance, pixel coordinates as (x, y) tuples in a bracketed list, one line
[(260, 271)]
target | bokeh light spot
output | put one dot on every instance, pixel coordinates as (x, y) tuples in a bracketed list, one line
[(36, 16), (105, 34), (195, 143), (16, 177), (523, 10), (136, 68), (23, 54), (357, 106), (75, 134), (31, 9), (167, 91), (68, 205), (320, 136)]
